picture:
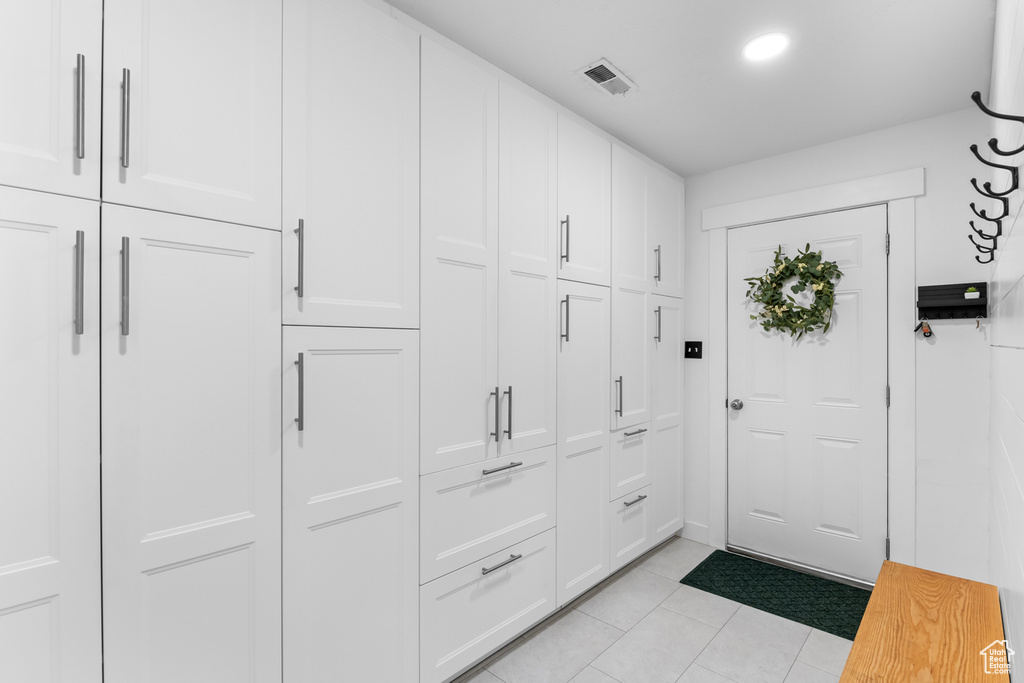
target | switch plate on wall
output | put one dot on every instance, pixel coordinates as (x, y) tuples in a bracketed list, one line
[(694, 349)]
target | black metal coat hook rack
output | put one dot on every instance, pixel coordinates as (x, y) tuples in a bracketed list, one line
[(988, 191), (993, 143)]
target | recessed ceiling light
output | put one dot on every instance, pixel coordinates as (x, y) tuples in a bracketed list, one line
[(766, 46)]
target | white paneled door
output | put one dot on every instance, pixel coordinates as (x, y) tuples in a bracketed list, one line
[(351, 166), (351, 589), (584, 204), (807, 450), (50, 66), (192, 107), (191, 451), (49, 438)]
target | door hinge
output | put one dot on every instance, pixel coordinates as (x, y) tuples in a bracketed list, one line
[(887, 547), (887, 396), (886, 244)]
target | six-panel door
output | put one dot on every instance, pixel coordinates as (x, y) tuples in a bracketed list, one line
[(351, 589), (50, 65), (191, 389), (351, 166), (192, 108), (49, 438)]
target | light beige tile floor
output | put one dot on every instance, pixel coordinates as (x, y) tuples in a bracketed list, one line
[(643, 626)]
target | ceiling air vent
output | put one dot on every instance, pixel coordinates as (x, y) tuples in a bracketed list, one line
[(607, 77)]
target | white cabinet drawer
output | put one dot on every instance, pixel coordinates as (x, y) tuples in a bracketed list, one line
[(466, 514), (466, 614), (630, 466), (630, 527)]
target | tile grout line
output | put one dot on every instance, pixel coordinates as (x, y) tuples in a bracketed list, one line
[(797, 658)]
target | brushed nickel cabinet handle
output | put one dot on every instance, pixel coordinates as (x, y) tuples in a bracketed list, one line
[(126, 97), (80, 107), (508, 430), (125, 277), (79, 282), (634, 502), (510, 560), (497, 413), (301, 365), (619, 409), (657, 312), (639, 431), (503, 468), (565, 256), (657, 272), (301, 232), (565, 334)]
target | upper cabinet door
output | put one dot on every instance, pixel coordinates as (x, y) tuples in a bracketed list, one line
[(50, 115), (527, 286), (49, 438), (665, 224), (632, 262), (459, 298), (192, 102), (584, 204), (351, 166)]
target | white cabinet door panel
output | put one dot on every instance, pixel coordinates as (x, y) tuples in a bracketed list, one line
[(466, 614), (191, 453), (468, 514), (632, 256), (584, 204), (630, 460), (528, 265), (665, 223), (350, 504), (49, 438), (50, 118), (632, 339), (630, 521), (351, 166), (459, 296), (667, 419), (203, 128)]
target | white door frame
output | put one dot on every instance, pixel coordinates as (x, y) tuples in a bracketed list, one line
[(897, 191)]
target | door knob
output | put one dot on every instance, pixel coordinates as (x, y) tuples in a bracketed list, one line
[(736, 404)]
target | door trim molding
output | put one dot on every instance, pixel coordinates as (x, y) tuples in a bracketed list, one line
[(897, 191)]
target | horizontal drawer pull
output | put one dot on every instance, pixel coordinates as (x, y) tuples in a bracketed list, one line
[(634, 502), (505, 467), (639, 431), (510, 560)]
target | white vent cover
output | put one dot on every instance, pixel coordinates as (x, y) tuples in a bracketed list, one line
[(607, 77)]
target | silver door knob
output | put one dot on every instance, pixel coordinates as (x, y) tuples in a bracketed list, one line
[(736, 404)]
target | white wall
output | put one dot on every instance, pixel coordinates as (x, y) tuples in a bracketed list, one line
[(951, 368), (1007, 339)]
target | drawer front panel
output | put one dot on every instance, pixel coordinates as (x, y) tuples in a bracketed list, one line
[(630, 527), (467, 614), (630, 460), (466, 514)]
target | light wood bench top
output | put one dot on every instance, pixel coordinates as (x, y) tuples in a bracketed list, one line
[(926, 627)]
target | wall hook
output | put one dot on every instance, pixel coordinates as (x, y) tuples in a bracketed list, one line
[(976, 96), (992, 219), (982, 235), (1014, 176), (991, 258), (984, 249)]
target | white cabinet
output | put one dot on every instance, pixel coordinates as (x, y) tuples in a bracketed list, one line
[(472, 511), (474, 610), (191, 389), (49, 438), (632, 342), (459, 301), (582, 449), (630, 461), (667, 419), (630, 522), (351, 166), (665, 224), (527, 282), (350, 527), (50, 66), (584, 204), (192, 108)]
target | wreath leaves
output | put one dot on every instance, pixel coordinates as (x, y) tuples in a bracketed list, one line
[(780, 310)]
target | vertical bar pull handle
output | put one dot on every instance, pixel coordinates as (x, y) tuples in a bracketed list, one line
[(657, 312), (657, 264), (301, 232), (80, 107), (497, 413), (619, 409), (79, 282), (301, 365), (565, 256), (508, 430), (565, 333), (124, 286), (126, 97)]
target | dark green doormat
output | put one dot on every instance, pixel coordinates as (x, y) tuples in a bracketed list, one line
[(822, 604)]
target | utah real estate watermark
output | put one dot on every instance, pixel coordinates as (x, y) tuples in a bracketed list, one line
[(997, 657)]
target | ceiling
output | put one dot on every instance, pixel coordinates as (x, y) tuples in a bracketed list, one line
[(853, 66)]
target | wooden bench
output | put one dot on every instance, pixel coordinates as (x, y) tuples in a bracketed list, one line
[(926, 627)]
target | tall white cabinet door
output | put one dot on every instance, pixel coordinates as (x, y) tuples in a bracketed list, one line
[(49, 439), (50, 119), (527, 283), (632, 340), (351, 588), (584, 204), (582, 451), (459, 294), (667, 419), (351, 166), (191, 449), (632, 261), (192, 104), (665, 216)]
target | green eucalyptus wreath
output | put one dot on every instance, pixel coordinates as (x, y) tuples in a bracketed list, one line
[(780, 310)]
